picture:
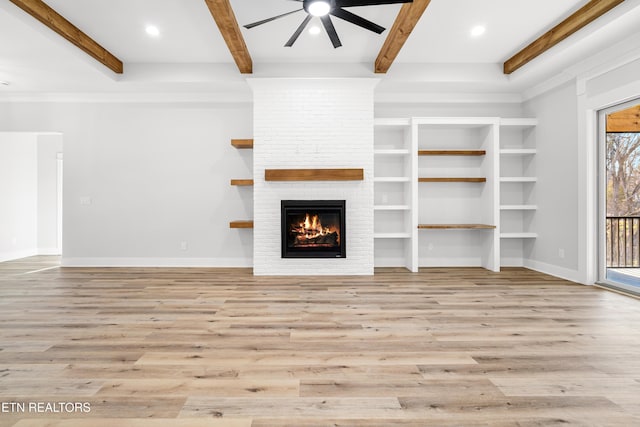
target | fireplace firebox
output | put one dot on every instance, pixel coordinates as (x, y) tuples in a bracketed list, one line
[(313, 229)]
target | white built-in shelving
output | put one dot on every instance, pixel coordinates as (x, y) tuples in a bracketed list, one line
[(517, 191), (518, 179), (394, 187), (454, 191), (518, 207), (391, 179), (458, 194)]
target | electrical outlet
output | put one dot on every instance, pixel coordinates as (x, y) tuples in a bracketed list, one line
[(183, 246), (561, 253)]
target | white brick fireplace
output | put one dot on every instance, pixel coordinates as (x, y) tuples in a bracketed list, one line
[(309, 124)]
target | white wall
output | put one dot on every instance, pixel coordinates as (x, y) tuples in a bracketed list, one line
[(140, 179), (556, 220), (313, 123), (48, 148), (18, 195)]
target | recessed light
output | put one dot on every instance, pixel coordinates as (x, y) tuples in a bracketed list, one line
[(319, 8), (478, 30), (152, 30), (314, 30)]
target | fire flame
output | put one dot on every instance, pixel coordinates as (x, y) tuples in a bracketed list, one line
[(311, 228)]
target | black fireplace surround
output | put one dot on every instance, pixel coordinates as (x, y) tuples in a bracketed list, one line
[(313, 229)]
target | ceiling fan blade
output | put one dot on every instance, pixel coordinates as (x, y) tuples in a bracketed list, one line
[(357, 20), (297, 33), (351, 3), (264, 21), (331, 31)]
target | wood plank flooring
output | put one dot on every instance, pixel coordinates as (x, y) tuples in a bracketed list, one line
[(197, 347)]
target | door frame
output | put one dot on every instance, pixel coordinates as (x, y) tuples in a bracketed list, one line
[(601, 239)]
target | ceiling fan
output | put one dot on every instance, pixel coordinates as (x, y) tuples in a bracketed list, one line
[(324, 8)]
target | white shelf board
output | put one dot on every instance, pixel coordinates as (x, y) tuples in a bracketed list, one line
[(392, 235), (518, 235), (392, 122), (521, 123), (392, 152), (455, 122), (391, 179), (391, 207), (518, 179), (518, 207), (518, 151)]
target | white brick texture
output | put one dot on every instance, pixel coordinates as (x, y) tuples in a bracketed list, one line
[(313, 123)]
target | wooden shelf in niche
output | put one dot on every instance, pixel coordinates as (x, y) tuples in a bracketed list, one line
[(314, 174), (242, 143), (242, 182), (452, 179), (452, 152), (456, 226), (241, 224)]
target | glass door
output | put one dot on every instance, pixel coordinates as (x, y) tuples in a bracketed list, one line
[(619, 241)]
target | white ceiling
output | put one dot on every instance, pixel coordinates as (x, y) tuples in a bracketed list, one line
[(191, 56)]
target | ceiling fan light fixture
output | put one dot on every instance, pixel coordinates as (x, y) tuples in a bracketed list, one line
[(319, 8)]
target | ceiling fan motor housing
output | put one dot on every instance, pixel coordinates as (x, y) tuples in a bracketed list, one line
[(307, 3)]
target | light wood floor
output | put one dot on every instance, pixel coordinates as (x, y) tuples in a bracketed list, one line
[(220, 347)]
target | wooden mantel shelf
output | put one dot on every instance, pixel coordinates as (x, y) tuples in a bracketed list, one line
[(241, 224), (452, 152), (456, 226), (314, 174), (452, 179), (242, 182), (242, 143)]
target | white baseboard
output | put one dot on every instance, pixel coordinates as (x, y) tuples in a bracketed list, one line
[(157, 262), (512, 262), (553, 270), (390, 262), (49, 251), (10, 256)]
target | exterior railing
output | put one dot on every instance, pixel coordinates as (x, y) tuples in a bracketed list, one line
[(623, 241)]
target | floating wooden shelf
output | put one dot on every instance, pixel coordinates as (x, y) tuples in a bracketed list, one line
[(455, 226), (242, 143), (314, 174), (241, 224), (242, 182), (451, 152), (452, 179)]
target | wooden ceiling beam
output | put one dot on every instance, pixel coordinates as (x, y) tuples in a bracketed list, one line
[(584, 16), (58, 23), (404, 24), (228, 25), (624, 121)]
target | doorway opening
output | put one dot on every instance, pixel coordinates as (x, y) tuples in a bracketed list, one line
[(620, 196)]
